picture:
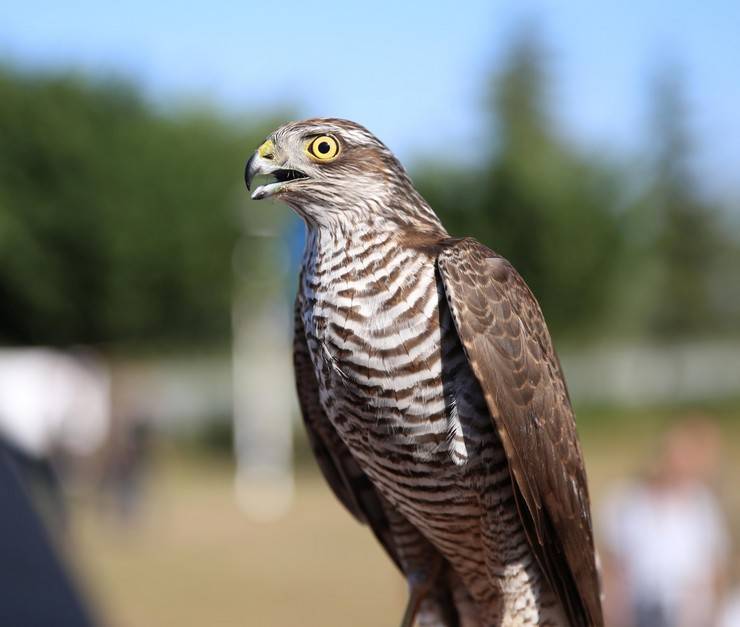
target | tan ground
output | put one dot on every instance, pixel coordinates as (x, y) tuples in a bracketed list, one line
[(194, 560)]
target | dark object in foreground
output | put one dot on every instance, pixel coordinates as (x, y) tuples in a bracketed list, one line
[(35, 589)]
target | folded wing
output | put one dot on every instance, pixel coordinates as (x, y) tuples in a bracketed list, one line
[(510, 352)]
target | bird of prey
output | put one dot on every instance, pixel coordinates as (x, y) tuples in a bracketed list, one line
[(433, 398)]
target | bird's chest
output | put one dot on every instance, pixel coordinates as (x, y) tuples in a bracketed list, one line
[(387, 360), (372, 326)]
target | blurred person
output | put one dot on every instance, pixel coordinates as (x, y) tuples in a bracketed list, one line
[(53, 406), (125, 468), (665, 539), (729, 613)]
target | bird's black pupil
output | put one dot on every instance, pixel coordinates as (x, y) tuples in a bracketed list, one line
[(324, 147)]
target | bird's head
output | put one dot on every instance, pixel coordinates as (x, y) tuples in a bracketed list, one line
[(333, 172)]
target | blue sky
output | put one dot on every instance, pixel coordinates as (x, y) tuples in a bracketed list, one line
[(415, 76)]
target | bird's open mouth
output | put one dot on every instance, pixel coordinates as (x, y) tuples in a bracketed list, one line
[(276, 181), (283, 176)]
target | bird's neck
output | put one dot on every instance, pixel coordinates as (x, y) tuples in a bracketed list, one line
[(376, 205), (351, 237)]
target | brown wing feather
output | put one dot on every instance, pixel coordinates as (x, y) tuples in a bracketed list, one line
[(346, 479), (509, 349)]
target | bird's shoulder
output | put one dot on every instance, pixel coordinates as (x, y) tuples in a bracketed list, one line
[(468, 261)]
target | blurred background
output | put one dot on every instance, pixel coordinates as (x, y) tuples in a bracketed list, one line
[(146, 393)]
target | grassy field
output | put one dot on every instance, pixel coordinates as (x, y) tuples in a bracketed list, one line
[(194, 559)]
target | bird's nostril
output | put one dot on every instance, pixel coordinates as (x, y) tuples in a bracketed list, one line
[(269, 156)]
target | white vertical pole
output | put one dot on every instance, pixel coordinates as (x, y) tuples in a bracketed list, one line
[(263, 405)]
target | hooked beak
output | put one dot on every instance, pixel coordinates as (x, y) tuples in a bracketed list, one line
[(253, 168), (262, 162)]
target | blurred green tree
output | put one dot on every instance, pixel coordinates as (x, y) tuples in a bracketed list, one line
[(117, 222), (546, 206), (687, 240)]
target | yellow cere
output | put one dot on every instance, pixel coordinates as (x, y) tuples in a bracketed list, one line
[(266, 149), (323, 148)]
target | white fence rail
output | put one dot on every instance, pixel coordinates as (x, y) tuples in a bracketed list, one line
[(635, 374), (177, 393)]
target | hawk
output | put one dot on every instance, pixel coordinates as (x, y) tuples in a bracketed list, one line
[(431, 392)]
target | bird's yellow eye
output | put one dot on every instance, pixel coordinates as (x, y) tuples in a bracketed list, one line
[(323, 148)]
